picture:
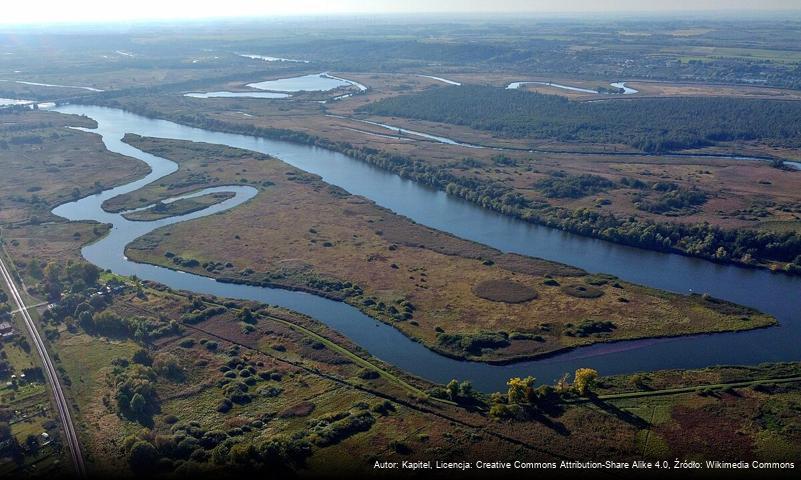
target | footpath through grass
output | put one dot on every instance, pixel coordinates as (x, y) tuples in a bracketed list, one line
[(698, 388)]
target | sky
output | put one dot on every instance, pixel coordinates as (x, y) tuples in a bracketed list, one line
[(17, 12)]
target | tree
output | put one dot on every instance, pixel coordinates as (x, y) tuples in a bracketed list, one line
[(138, 404), (142, 456), (90, 274), (563, 384), (246, 315), (86, 321), (52, 280), (32, 443), (584, 380), (453, 389), (109, 323), (142, 357), (52, 272), (466, 389), (520, 389), (35, 270)]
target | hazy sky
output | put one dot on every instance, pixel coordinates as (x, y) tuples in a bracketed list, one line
[(48, 11)]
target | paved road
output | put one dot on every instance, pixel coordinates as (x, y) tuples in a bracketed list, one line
[(50, 373)]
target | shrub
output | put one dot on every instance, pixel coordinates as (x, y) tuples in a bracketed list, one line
[(335, 432), (590, 327), (225, 405), (582, 291), (473, 343)]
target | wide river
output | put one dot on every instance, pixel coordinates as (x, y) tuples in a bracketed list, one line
[(777, 294)]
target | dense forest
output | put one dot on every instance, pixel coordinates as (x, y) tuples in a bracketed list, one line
[(648, 124), (749, 247)]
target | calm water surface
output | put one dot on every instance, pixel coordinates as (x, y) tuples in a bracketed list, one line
[(319, 82), (237, 95), (626, 90), (776, 294)]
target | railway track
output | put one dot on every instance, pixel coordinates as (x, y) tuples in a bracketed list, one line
[(50, 374)]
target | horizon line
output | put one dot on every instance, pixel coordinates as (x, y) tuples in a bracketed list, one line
[(666, 14)]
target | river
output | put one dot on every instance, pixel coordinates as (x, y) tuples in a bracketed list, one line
[(777, 294), (618, 85)]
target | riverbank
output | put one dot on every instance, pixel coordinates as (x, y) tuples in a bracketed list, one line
[(595, 223), (302, 234)]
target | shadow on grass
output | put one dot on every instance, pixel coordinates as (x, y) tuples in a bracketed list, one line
[(623, 415), (547, 422)]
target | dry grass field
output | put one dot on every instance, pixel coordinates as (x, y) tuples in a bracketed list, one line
[(45, 164), (302, 233)]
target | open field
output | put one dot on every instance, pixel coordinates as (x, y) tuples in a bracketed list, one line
[(301, 233), (51, 164)]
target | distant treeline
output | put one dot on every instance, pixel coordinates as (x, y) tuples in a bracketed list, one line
[(648, 124), (700, 240)]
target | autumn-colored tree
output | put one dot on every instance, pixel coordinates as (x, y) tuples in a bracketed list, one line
[(521, 390), (563, 384), (584, 380)]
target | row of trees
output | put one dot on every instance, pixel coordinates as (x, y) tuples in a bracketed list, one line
[(189, 446), (522, 393)]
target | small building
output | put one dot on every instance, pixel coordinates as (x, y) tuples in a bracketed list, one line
[(6, 330)]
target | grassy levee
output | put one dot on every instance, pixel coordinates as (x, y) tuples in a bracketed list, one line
[(696, 388)]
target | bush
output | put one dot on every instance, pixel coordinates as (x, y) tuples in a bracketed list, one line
[(590, 327), (572, 186), (334, 432), (368, 374), (582, 291), (142, 456), (473, 343), (225, 405)]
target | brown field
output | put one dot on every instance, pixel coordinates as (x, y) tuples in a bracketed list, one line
[(404, 84), (50, 242), (46, 164), (663, 89), (505, 291), (301, 233)]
